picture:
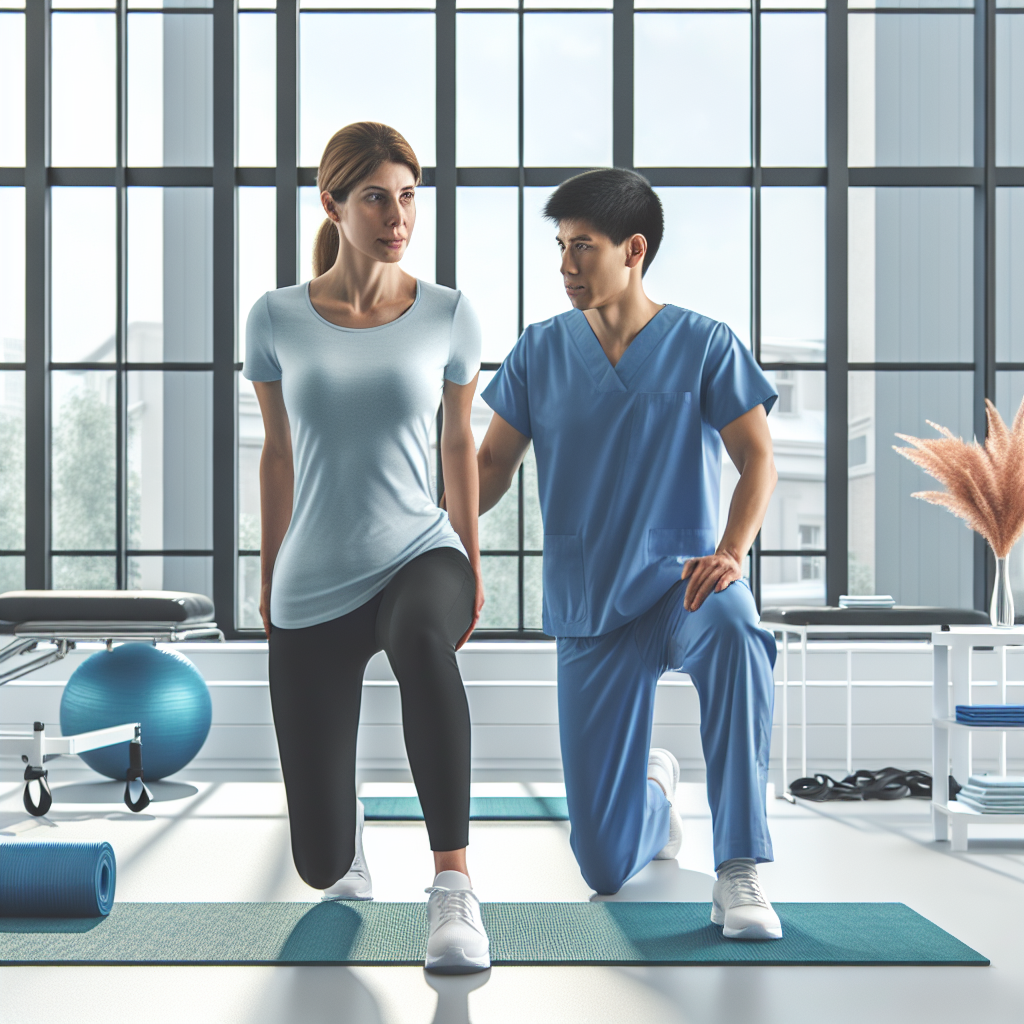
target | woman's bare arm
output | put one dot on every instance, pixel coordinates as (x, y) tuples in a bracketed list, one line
[(462, 485), (277, 480)]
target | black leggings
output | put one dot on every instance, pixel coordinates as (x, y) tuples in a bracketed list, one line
[(316, 681)]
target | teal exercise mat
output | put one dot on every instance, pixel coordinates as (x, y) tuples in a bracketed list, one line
[(481, 808), (538, 934)]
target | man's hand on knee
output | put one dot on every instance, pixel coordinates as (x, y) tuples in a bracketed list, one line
[(712, 573)]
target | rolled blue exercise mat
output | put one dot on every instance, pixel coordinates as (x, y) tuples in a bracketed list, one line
[(56, 879)]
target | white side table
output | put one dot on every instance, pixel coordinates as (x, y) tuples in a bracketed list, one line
[(951, 652)]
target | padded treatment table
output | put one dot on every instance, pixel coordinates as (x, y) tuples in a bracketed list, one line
[(903, 622), (65, 617)]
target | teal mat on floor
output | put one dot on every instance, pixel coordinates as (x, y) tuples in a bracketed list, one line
[(521, 933), (481, 808)]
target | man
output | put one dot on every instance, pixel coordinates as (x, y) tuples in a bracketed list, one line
[(628, 403)]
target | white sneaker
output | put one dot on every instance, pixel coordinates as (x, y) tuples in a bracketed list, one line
[(457, 943), (739, 906), (663, 767), (356, 884)]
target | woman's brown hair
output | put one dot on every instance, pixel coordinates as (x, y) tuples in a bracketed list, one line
[(351, 156)]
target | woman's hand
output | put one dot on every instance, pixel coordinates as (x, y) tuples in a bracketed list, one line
[(265, 608), (711, 573), (478, 606)]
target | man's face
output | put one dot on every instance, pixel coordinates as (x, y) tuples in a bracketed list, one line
[(594, 269)]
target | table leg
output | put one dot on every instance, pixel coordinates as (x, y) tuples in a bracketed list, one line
[(803, 704), (785, 711), (849, 711), (960, 740), (959, 843), (940, 741)]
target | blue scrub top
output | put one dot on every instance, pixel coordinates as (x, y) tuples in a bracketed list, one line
[(629, 457)]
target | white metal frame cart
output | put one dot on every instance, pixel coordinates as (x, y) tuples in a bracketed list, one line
[(951, 653), (898, 623)]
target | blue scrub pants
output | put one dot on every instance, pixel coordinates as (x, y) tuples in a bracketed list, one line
[(606, 690)]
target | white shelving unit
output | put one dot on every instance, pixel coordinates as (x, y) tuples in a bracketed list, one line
[(951, 740)]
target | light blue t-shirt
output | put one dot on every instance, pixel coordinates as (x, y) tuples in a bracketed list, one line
[(362, 406), (629, 457)]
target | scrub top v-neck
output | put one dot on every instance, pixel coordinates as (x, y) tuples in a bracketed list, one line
[(362, 406), (628, 456)]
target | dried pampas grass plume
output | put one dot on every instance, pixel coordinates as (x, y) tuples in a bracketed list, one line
[(984, 485)]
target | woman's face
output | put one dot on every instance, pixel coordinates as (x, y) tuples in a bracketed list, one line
[(379, 214)]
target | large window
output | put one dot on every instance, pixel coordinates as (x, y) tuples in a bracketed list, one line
[(843, 186)]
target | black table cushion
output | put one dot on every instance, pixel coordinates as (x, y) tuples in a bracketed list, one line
[(901, 615), (18, 606)]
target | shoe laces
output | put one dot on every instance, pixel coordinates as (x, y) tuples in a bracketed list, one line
[(743, 886), (454, 904)]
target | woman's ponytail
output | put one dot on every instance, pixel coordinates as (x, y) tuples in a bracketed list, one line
[(350, 156), (325, 247)]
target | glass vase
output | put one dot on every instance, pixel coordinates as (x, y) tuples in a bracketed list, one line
[(1001, 609)]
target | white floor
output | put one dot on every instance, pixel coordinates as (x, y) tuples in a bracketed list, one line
[(229, 841)]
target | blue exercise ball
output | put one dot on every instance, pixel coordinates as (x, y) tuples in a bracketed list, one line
[(136, 682)]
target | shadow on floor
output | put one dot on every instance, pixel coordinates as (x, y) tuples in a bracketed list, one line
[(664, 880), (113, 792)]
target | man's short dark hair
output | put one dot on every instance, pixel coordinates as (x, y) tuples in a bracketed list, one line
[(616, 202)]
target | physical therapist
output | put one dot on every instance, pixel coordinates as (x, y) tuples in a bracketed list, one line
[(628, 404)]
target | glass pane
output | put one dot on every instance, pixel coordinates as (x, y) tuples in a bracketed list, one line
[(83, 90), (12, 90), (792, 275), (655, 5), (792, 581), (789, 4), (314, 4), (170, 274), (559, 49), (156, 572), (82, 4), (487, 263), (12, 573), (581, 4), (142, 4), (501, 592), (533, 571), (83, 298), (911, 274), (250, 448), (796, 514), (170, 461), (899, 545), (487, 83), (257, 258), (12, 465), (420, 257), (911, 90), (12, 275), (249, 593), (499, 527), (692, 99), (543, 293), (704, 259), (1010, 90), (84, 470), (257, 90), (533, 528), (91, 572), (334, 92), (910, 4), (1009, 274), (793, 90), (170, 90), (1009, 393)]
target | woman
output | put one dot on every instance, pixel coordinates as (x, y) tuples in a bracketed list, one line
[(356, 555)]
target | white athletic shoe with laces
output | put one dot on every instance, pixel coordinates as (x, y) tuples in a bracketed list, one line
[(457, 943), (356, 884), (663, 767), (739, 906)]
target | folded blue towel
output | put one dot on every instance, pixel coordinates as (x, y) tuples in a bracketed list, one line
[(999, 781), (1017, 808)]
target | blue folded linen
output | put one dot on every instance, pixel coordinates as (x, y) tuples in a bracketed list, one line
[(997, 781), (990, 714)]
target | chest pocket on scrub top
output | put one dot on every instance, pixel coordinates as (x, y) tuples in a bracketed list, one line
[(659, 429)]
